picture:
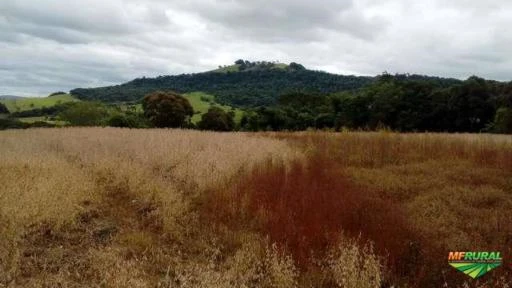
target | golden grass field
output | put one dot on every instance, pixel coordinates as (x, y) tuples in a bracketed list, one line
[(105, 207)]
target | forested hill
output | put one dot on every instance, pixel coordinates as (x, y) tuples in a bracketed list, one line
[(253, 87), (244, 84)]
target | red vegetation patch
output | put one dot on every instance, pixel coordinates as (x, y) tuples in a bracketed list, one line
[(305, 207), (308, 206)]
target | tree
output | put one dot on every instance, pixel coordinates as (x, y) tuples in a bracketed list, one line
[(296, 67), (167, 109), (85, 114), (216, 119), (503, 120), (470, 105), (301, 99), (250, 121), (57, 93), (3, 109)]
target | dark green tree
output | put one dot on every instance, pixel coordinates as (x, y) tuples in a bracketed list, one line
[(503, 121), (300, 99), (167, 109), (216, 119), (57, 93), (470, 105), (296, 67), (3, 109), (250, 121)]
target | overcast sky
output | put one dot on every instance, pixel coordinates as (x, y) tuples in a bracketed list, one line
[(51, 45)]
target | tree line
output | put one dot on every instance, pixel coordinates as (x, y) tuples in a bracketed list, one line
[(398, 102), (404, 103)]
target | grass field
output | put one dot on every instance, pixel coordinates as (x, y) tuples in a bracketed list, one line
[(36, 102), (197, 100), (104, 207)]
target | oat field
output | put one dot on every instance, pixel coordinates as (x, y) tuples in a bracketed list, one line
[(105, 207)]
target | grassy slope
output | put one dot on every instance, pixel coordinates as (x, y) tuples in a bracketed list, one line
[(231, 68), (202, 106), (195, 98), (36, 102), (236, 68)]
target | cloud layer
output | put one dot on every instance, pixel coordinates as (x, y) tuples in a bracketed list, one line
[(50, 45)]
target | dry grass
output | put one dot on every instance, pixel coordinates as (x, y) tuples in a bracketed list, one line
[(168, 208), (453, 191), (71, 197)]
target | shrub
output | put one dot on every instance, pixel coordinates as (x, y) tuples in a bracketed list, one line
[(127, 121), (12, 124)]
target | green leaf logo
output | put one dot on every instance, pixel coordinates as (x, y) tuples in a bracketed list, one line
[(474, 264), (475, 270)]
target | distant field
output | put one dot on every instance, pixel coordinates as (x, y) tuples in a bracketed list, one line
[(197, 100), (36, 102)]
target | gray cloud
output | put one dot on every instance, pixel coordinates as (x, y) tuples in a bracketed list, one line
[(50, 45), (297, 21)]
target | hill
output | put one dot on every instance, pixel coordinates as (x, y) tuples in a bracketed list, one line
[(260, 84), (10, 97)]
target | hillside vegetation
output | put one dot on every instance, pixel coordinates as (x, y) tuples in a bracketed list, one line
[(255, 85)]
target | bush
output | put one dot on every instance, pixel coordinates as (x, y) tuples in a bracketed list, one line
[(12, 124), (127, 121), (41, 124)]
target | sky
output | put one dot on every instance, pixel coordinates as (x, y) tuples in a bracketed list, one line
[(58, 45)]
